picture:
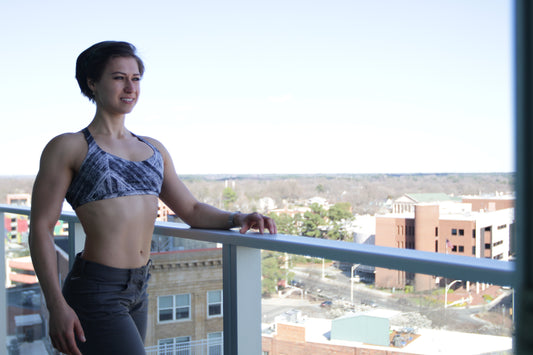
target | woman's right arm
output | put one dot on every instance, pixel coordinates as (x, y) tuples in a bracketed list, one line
[(51, 184)]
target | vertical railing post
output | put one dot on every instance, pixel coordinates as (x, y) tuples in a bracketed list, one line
[(76, 240), (523, 16), (3, 298), (242, 300)]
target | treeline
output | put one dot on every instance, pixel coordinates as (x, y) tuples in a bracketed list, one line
[(365, 192), (318, 222)]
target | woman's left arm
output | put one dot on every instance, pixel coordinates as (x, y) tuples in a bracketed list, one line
[(179, 199)]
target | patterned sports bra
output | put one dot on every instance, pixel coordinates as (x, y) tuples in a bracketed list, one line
[(103, 175)]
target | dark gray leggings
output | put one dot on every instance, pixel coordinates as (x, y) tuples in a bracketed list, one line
[(112, 305)]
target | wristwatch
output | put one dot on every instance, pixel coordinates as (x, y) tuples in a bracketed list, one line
[(231, 219)]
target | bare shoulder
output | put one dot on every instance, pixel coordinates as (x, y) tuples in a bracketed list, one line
[(66, 140), (66, 147), (156, 144)]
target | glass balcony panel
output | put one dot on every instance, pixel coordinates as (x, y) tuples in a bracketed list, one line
[(25, 311), (185, 275), (319, 304)]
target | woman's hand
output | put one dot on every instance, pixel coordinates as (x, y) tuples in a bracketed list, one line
[(65, 327), (256, 221)]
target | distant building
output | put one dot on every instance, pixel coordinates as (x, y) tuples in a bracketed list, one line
[(16, 226), (321, 201), (477, 227), (267, 204), (406, 203), (21, 272), (292, 211), (370, 333), (164, 212), (18, 199)]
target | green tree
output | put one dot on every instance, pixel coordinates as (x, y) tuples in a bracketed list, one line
[(285, 223), (340, 211), (229, 196), (271, 271), (338, 215), (313, 220), (337, 231)]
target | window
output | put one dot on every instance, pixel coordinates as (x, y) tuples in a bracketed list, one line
[(461, 249), (174, 346), (214, 303), (461, 232), (174, 307), (454, 231), (487, 245), (183, 345), (215, 343), (436, 231), (473, 233), (165, 347), (503, 226), (454, 248)]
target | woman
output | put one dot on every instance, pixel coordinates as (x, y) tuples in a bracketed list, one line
[(112, 178)]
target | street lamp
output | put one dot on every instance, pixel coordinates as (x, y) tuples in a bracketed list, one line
[(351, 282), (446, 289)]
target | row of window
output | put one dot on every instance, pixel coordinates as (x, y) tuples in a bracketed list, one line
[(173, 308), (461, 248), (409, 230), (499, 242)]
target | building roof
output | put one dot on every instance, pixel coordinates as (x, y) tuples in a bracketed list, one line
[(429, 341), (431, 197)]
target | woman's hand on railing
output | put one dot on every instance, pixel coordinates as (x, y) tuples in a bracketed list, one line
[(256, 221)]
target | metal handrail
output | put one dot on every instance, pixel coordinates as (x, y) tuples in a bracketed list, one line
[(452, 266)]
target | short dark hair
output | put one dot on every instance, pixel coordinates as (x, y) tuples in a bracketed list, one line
[(92, 61)]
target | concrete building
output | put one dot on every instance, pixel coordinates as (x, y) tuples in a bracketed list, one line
[(477, 227)]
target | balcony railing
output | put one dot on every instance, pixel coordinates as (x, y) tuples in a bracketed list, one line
[(200, 347), (242, 269)]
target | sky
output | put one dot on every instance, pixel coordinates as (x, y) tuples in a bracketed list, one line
[(277, 86)]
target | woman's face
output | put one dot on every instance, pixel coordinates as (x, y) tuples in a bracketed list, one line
[(118, 89)]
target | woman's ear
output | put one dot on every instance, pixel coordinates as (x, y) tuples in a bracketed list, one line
[(90, 84)]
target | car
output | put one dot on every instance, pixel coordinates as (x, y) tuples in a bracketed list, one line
[(296, 283), (326, 304), (369, 303)]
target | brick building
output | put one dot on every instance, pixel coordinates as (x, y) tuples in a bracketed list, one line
[(477, 227)]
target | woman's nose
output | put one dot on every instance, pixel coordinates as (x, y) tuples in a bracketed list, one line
[(128, 87)]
